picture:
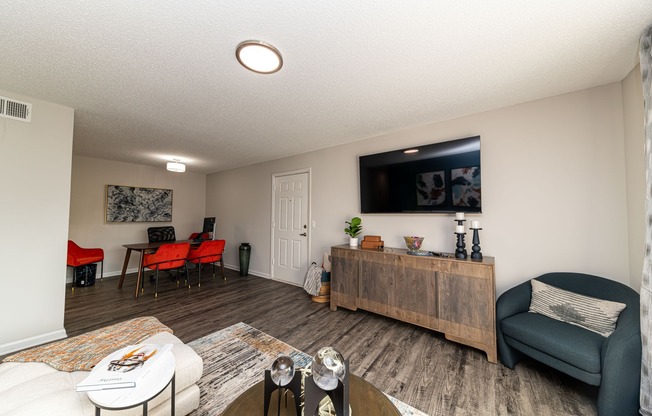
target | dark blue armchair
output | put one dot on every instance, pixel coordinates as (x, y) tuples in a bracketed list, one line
[(612, 363)]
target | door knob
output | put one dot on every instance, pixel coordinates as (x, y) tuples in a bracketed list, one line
[(303, 234)]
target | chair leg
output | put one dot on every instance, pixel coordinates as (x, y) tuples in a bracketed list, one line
[(187, 276), (156, 284), (102, 270), (199, 273), (222, 268)]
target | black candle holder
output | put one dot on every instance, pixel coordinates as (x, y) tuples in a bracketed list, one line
[(476, 254), (294, 386), (460, 253), (339, 396)]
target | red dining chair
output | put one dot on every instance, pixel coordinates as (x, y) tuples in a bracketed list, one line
[(208, 252), (199, 236), (78, 256), (167, 257)]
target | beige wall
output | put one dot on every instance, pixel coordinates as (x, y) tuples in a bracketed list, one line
[(554, 190), (35, 195), (562, 178), (635, 171), (87, 227)]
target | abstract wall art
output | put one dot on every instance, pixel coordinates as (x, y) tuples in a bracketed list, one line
[(466, 188), (134, 204), (431, 188)]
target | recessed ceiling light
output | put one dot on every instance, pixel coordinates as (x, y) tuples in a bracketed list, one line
[(411, 151), (258, 56)]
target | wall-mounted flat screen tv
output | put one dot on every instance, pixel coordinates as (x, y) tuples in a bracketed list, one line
[(434, 178)]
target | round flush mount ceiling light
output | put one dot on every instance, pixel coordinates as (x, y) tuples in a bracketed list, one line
[(259, 56), (176, 166)]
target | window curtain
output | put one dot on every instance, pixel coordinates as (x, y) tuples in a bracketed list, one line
[(645, 54)]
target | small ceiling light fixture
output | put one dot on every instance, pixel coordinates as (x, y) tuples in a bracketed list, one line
[(176, 166), (259, 56), (408, 151)]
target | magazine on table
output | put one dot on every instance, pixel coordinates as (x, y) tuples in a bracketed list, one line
[(123, 368)]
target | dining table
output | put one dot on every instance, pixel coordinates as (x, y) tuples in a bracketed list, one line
[(144, 248)]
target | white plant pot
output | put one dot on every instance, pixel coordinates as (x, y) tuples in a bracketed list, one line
[(353, 241)]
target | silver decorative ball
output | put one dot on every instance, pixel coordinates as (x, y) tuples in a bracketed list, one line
[(328, 366), (282, 370)]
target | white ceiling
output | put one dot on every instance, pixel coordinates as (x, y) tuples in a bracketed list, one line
[(150, 80)]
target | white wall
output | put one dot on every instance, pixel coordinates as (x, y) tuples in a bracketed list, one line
[(635, 170), (87, 227), (554, 190), (35, 198)]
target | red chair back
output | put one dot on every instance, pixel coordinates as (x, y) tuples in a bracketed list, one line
[(207, 252), (73, 249), (78, 256), (168, 256)]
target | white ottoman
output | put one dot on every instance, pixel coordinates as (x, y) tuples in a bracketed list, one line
[(29, 389)]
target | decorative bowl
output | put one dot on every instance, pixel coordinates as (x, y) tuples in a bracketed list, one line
[(413, 243)]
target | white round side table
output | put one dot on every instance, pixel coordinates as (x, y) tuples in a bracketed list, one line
[(157, 380)]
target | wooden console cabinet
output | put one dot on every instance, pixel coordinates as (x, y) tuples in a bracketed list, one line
[(448, 295)]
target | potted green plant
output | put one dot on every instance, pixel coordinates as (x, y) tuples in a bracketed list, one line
[(353, 230)]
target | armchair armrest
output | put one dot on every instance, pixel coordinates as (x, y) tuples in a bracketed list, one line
[(620, 360), (515, 300)]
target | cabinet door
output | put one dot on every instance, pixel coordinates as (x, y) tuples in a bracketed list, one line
[(466, 302), (344, 279), (378, 273), (416, 297)]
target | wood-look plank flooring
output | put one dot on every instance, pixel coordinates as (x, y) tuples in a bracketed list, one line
[(415, 365)]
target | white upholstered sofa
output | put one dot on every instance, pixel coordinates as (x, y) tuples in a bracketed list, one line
[(35, 388)]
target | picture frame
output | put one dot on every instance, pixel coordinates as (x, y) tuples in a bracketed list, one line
[(137, 204)]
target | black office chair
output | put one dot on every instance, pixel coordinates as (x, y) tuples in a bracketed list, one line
[(160, 234)]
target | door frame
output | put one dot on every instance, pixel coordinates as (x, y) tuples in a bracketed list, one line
[(273, 216)]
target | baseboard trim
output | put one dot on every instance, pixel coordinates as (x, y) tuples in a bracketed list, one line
[(32, 341), (117, 273), (251, 272)]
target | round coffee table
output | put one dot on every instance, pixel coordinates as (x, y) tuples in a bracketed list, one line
[(364, 399)]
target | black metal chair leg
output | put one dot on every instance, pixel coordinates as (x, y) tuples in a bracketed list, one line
[(156, 284), (187, 275)]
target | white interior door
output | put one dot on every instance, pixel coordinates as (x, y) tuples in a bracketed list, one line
[(290, 227)]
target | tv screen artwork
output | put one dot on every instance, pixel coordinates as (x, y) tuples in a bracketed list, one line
[(439, 177)]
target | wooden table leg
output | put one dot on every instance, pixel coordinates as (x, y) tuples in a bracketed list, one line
[(140, 272), (124, 268)]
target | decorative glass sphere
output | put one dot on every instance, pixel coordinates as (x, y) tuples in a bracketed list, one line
[(282, 370), (328, 366)]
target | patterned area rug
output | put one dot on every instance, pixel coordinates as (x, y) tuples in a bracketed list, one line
[(236, 358)]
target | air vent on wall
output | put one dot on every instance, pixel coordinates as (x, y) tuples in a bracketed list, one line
[(16, 110)]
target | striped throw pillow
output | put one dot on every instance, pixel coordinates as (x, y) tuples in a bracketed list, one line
[(597, 315)]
